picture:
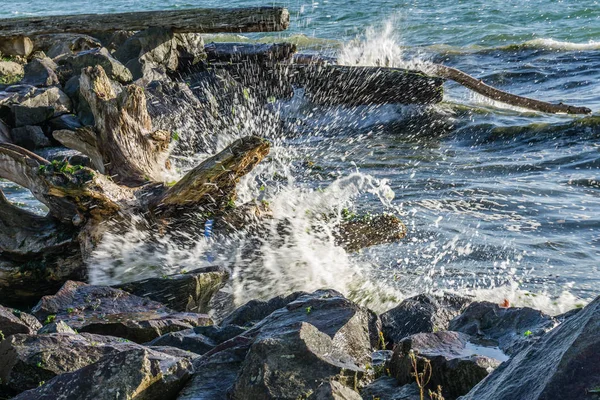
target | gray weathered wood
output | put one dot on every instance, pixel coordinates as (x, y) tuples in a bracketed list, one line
[(256, 19)]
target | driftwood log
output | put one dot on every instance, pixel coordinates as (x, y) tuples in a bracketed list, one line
[(256, 19)]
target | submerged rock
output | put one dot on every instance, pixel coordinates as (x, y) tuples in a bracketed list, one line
[(139, 374), (420, 314), (511, 328), (28, 360), (454, 366), (104, 310), (562, 364)]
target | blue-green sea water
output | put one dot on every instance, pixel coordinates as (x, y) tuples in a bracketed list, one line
[(498, 201)]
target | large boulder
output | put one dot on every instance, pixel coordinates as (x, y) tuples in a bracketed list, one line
[(139, 374), (256, 310), (297, 348), (199, 340), (420, 314), (61, 44), (72, 65), (562, 364), (14, 321), (456, 366), (292, 363), (150, 53), (511, 328), (28, 360), (187, 292), (51, 97), (30, 137), (41, 72), (108, 311)]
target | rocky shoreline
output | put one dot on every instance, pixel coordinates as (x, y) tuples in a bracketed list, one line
[(68, 98), (96, 342)]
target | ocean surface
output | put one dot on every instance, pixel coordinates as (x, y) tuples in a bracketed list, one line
[(499, 202)]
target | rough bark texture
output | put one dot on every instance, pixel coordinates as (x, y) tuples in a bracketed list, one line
[(257, 19), (478, 86)]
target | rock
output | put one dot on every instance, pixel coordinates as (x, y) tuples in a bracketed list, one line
[(5, 136), (30, 138), (41, 72), (107, 311), (214, 375), (14, 321), (65, 121), (73, 65), (113, 40), (175, 352), (60, 44), (80, 105), (186, 340), (562, 364), (419, 314), (387, 388), (187, 292), (149, 53), (29, 116), (293, 363), (51, 97), (455, 366), (256, 310), (139, 374), (30, 359), (60, 154), (316, 338), (190, 49), (10, 68), (334, 391), (57, 327), (511, 328), (16, 46)]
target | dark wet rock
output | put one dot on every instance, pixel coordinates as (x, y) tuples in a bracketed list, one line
[(10, 69), (387, 388), (65, 121), (30, 137), (511, 328), (115, 70), (186, 340), (219, 334), (41, 72), (292, 363), (108, 311), (149, 53), (562, 364), (334, 391), (31, 359), (419, 314), (16, 46), (5, 136), (455, 366), (256, 310), (14, 321), (215, 375), (187, 292), (80, 105), (55, 45), (30, 116), (56, 327), (139, 373), (250, 52)]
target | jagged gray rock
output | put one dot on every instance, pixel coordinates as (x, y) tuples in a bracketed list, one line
[(41, 72), (30, 137), (14, 321)]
